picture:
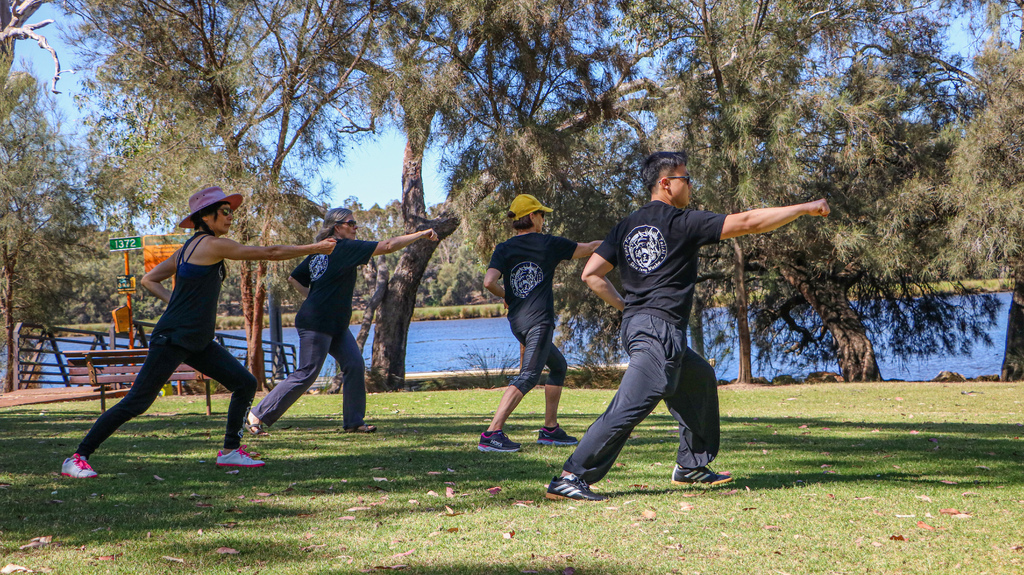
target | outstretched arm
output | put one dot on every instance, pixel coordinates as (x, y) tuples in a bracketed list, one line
[(595, 276), (768, 219), (585, 249), (224, 249), (491, 282), (398, 242)]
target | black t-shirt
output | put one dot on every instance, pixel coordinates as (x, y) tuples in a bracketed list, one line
[(331, 280), (655, 249), (527, 262)]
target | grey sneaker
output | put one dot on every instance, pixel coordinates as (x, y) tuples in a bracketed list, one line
[(571, 487), (557, 437), (699, 476), (497, 441)]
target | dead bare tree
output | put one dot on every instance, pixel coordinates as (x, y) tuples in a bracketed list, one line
[(14, 26)]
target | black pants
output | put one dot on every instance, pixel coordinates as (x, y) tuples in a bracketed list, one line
[(539, 350), (313, 349), (213, 361), (661, 367)]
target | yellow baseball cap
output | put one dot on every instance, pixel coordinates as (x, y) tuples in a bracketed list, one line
[(525, 204)]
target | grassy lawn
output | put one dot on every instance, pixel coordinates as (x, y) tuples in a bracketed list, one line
[(830, 478)]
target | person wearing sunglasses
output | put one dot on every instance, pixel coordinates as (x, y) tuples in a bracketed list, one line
[(656, 251), (185, 331), (327, 282)]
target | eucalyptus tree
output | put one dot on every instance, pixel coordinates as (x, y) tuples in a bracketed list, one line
[(987, 170), (257, 95), (767, 96), (484, 76), (43, 211), (15, 25)]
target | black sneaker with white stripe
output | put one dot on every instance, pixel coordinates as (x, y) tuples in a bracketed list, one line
[(571, 487), (699, 476)]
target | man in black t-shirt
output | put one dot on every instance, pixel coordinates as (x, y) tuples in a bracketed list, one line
[(527, 261), (328, 281), (655, 249)]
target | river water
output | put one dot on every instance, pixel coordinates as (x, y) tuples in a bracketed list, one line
[(447, 345)]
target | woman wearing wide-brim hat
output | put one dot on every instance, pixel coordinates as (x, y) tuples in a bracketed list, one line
[(185, 332)]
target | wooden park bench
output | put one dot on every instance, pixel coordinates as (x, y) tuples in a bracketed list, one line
[(112, 372)]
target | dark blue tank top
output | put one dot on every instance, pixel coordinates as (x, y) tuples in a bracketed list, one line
[(191, 316)]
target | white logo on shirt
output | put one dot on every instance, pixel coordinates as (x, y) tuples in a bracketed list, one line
[(645, 248), (317, 267), (524, 278)]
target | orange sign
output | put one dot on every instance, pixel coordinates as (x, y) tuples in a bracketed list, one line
[(156, 249)]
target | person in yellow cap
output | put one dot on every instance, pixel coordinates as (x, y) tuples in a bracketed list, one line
[(527, 261)]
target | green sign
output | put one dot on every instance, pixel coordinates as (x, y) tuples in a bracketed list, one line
[(121, 244)]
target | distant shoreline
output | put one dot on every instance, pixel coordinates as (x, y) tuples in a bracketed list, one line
[(491, 310)]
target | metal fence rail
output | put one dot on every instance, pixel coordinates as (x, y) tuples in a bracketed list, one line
[(40, 359)]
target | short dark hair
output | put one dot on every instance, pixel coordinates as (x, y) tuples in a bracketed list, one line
[(659, 162), (523, 223), (197, 218)]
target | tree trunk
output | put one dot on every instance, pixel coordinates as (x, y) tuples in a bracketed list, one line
[(254, 298), (828, 299), (697, 324), (8, 311), (742, 314), (387, 370), (380, 280), (1013, 359)]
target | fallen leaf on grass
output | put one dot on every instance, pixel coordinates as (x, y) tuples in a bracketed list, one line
[(650, 515), (924, 525), (394, 567), (968, 493), (232, 472), (264, 494), (346, 518), (914, 432), (413, 502), (432, 493), (37, 542), (158, 478), (949, 511), (947, 482), (568, 571), (451, 512), (772, 528), (12, 568), (862, 498), (406, 554), (380, 478), (523, 503), (358, 509), (312, 548), (925, 498), (227, 551), (731, 492), (685, 506), (1017, 548), (433, 473), (494, 490), (449, 492), (173, 559), (509, 535), (105, 557), (452, 530)]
